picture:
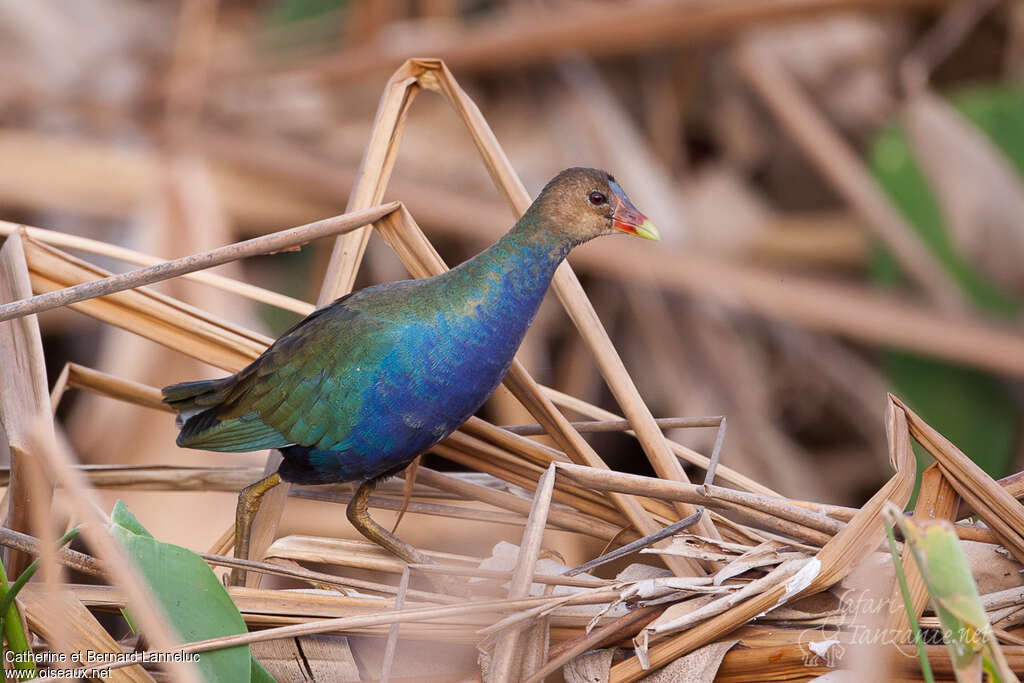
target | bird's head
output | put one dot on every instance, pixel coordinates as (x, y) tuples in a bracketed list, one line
[(585, 203)]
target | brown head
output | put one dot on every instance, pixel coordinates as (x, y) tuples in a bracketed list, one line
[(584, 203)]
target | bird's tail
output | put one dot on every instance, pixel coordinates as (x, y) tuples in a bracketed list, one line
[(191, 398)]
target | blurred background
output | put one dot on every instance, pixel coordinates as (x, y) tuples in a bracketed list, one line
[(837, 185)]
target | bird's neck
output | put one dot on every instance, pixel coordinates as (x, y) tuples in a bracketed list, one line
[(529, 252), (508, 280)]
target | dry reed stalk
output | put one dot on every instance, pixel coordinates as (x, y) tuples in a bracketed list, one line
[(22, 393), (82, 501), (506, 661), (81, 631), (565, 519), (90, 565), (81, 377), (990, 501), (356, 554), (393, 630), (835, 560), (705, 494), (502, 575), (166, 270), (622, 628), (43, 508), (535, 452), (225, 284), (517, 619), (387, 618), (157, 317), (470, 513), (936, 499), (319, 579), (575, 496), (844, 169), (724, 473), (481, 450), (30, 545), (606, 426), (163, 477)]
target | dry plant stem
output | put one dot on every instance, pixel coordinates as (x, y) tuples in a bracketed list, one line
[(624, 627), (840, 164), (569, 520), (990, 501), (465, 512), (187, 264), (53, 576), (385, 618), (538, 612), (564, 495), (863, 534), (531, 450), (225, 284), (81, 377), (23, 399), (505, 661), (605, 426), (629, 548), (553, 580), (90, 565), (725, 474), (371, 180), (392, 642), (163, 477), (322, 579), (160, 318), (120, 568), (700, 494), (70, 558), (501, 458)]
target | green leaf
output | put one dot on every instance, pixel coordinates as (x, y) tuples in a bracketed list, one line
[(258, 674), (194, 600), (950, 584)]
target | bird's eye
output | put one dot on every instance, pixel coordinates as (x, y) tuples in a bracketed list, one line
[(597, 199)]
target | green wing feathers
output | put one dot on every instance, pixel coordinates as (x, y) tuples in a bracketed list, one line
[(205, 424), (282, 397)]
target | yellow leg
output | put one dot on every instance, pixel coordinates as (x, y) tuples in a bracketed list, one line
[(249, 500), (360, 518)]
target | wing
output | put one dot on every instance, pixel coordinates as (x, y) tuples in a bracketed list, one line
[(305, 389)]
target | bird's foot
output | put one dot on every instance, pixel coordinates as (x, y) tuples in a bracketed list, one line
[(249, 500)]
